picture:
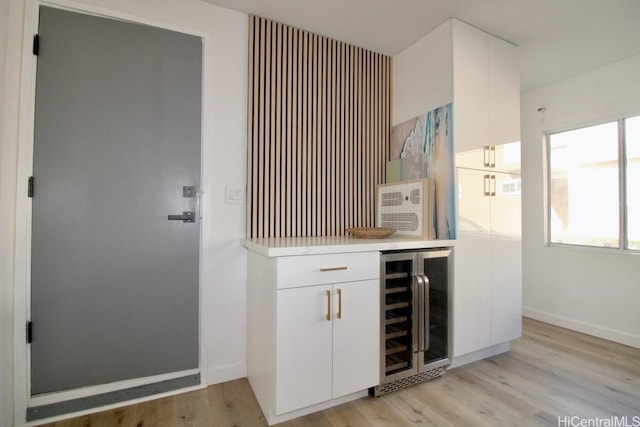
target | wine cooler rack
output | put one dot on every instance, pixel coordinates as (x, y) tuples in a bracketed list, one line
[(398, 315)]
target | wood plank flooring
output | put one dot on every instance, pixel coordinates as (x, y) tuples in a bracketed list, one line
[(549, 373)]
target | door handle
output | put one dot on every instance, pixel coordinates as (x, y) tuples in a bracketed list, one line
[(421, 311), (492, 156), (426, 313), (487, 185), (415, 322), (187, 216), (328, 293)]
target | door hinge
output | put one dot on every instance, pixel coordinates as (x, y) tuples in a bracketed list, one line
[(29, 332), (30, 186), (36, 44)]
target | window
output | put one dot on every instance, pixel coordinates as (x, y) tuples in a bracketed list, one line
[(510, 187), (594, 185), (632, 145)]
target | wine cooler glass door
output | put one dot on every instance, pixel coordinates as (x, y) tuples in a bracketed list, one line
[(399, 297), (435, 268)]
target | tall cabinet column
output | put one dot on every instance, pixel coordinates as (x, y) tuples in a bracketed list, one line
[(479, 74), (488, 273)]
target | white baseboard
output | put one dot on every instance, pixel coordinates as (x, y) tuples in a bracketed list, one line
[(584, 327), (479, 355), (221, 374)]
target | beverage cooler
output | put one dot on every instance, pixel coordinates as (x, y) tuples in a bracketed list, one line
[(415, 317)]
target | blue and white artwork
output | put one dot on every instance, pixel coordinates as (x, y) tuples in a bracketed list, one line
[(422, 147)]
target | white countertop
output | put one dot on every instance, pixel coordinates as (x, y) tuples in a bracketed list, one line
[(291, 246)]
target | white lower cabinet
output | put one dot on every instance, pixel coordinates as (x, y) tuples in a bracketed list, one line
[(310, 342), (356, 338), (487, 303), (303, 348), (327, 342)]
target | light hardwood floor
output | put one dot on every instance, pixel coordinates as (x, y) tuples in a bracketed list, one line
[(550, 372)]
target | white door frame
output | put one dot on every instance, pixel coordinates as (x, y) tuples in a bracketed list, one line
[(22, 278)]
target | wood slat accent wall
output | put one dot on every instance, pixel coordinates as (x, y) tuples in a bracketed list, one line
[(318, 132)]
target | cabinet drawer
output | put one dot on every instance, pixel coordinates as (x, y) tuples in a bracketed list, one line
[(307, 270)]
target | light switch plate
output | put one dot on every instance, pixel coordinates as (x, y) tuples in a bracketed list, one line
[(234, 194)]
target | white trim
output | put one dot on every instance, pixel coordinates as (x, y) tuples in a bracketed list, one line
[(583, 327), (89, 9), (221, 374), (22, 295), (79, 393), (110, 407), (480, 354)]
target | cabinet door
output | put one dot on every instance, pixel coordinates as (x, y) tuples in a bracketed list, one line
[(504, 92), (472, 282), (303, 348), (471, 89), (356, 336), (506, 259), (506, 158)]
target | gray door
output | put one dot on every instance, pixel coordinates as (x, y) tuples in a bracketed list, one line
[(114, 283)]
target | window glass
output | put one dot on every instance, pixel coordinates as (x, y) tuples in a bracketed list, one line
[(584, 186), (632, 138)]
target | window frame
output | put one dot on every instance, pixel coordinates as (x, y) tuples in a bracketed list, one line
[(622, 187)]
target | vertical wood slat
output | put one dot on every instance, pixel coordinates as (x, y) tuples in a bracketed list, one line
[(288, 129), (259, 171), (304, 142), (333, 194), (251, 125), (318, 132)]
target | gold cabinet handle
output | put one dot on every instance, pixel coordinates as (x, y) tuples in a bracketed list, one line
[(486, 151), (493, 187), (328, 305), (323, 269), (487, 185), (492, 156), (339, 303)]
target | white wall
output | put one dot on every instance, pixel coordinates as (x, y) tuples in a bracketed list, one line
[(589, 290), (224, 162)]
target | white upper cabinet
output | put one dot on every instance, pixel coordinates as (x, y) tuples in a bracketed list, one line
[(471, 115), (486, 100), (504, 93)]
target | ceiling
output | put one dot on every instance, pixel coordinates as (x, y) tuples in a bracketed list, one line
[(557, 38)]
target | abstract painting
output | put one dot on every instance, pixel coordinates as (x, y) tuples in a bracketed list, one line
[(422, 147)]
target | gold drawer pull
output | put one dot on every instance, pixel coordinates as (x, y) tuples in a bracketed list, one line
[(323, 269), (339, 303)]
